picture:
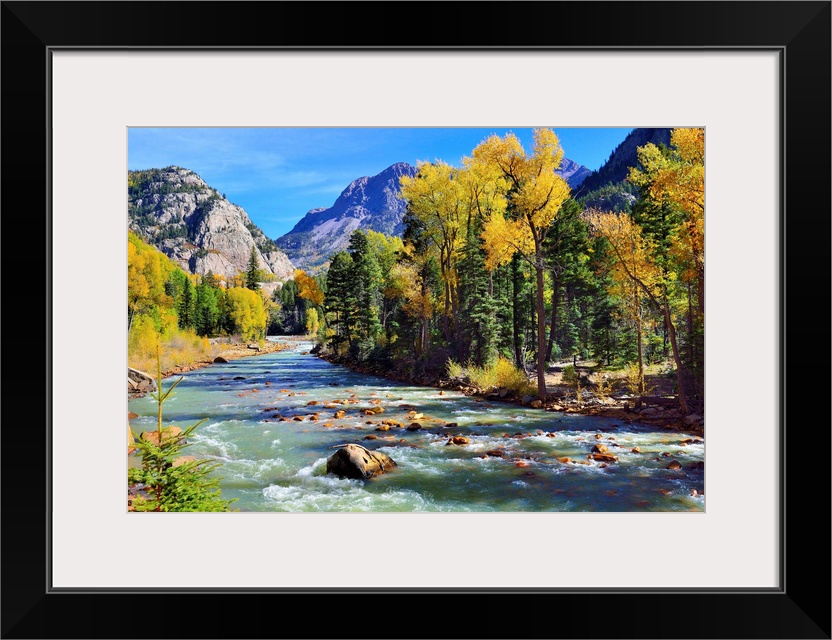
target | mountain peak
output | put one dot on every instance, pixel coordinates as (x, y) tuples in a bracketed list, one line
[(368, 202), (196, 226)]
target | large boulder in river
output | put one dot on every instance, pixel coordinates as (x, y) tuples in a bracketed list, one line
[(354, 461)]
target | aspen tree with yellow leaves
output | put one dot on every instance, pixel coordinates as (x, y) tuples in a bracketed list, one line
[(437, 199), (535, 196)]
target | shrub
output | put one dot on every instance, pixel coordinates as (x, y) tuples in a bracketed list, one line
[(455, 369), (497, 374), (178, 346)]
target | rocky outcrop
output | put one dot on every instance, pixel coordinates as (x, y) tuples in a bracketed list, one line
[(139, 381), (197, 227), (356, 462)]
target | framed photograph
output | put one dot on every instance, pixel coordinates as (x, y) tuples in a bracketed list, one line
[(81, 78)]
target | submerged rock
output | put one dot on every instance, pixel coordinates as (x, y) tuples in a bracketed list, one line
[(600, 448), (354, 461)]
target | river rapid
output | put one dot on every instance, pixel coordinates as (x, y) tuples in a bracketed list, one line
[(273, 465)]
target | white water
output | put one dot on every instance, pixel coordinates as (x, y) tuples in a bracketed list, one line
[(269, 465)]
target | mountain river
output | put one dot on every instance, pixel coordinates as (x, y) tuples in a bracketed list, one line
[(273, 465)]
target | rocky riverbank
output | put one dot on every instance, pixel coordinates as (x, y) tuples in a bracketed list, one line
[(226, 352), (660, 411)]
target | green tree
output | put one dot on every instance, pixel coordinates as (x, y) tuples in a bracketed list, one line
[(207, 311), (340, 302), (188, 486), (253, 272), (367, 286)]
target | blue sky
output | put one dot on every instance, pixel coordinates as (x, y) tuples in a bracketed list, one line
[(278, 174)]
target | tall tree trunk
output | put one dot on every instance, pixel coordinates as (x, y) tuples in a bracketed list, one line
[(541, 322), (553, 327), (446, 326), (455, 313), (515, 312), (640, 347), (683, 401)]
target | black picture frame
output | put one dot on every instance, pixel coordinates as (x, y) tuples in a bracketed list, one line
[(800, 608)]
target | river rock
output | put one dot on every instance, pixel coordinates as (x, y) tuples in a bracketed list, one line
[(239, 378), (692, 419), (220, 360), (496, 453), (458, 440), (602, 457), (674, 464), (167, 433), (600, 448), (526, 399), (635, 450), (413, 426), (354, 461), (370, 437), (339, 414), (536, 404), (383, 427)]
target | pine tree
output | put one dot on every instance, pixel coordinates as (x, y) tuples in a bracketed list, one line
[(188, 486), (253, 271)]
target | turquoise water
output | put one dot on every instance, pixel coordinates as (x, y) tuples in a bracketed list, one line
[(273, 465)]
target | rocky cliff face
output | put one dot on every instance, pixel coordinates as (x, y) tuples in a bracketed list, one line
[(367, 203), (194, 225)]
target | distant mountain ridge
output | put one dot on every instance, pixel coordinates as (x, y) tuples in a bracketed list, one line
[(624, 156), (369, 202), (372, 202), (197, 227)]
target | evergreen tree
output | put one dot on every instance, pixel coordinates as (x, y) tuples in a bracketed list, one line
[(340, 302), (366, 287), (187, 303), (253, 272), (479, 311), (170, 486)]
